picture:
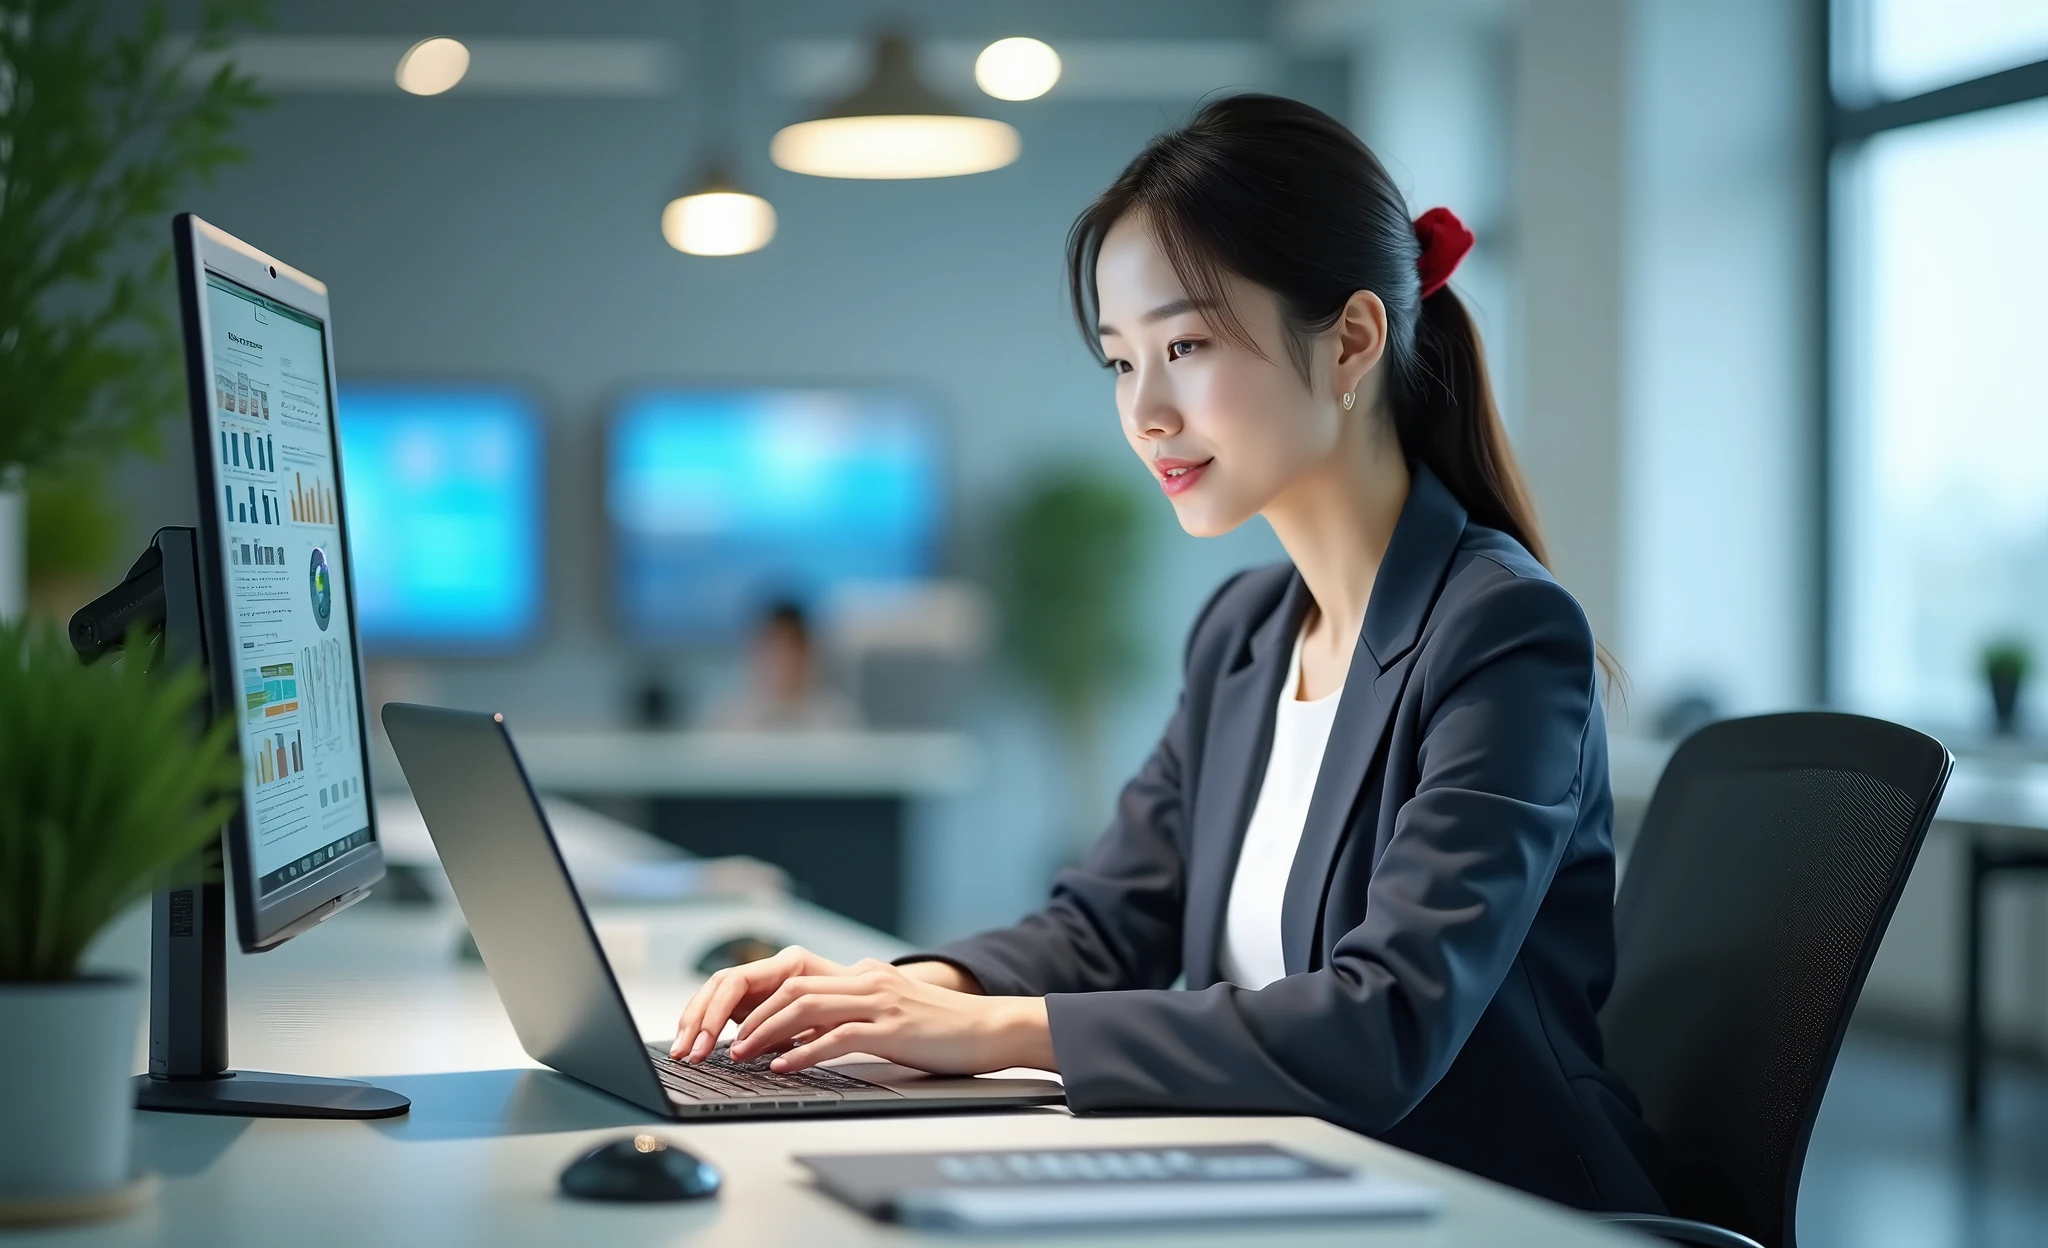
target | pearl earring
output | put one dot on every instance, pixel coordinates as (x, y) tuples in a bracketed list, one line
[(1349, 399)]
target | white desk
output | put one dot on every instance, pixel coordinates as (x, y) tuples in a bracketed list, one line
[(374, 993)]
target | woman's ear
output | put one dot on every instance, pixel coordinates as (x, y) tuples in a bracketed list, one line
[(1361, 339)]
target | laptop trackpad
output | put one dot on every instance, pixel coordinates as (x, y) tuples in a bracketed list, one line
[(912, 1082)]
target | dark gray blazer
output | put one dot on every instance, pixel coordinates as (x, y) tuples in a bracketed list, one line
[(1448, 923)]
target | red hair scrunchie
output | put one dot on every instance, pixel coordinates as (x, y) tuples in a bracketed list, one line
[(1445, 240)]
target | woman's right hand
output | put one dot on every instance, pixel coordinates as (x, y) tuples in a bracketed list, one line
[(733, 993)]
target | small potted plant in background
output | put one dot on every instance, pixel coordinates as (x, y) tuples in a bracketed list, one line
[(109, 790), (2006, 664)]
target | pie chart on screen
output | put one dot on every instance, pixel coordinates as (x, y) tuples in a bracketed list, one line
[(322, 587)]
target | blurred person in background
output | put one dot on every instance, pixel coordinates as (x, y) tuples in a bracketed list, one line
[(784, 691), (1375, 839)]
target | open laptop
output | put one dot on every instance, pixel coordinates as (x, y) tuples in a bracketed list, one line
[(537, 943)]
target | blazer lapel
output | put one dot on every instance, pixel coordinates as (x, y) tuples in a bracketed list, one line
[(1240, 736), (1425, 538)]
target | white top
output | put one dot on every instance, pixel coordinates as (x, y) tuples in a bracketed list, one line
[(1251, 955)]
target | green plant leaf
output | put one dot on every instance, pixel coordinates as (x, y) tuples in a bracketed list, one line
[(109, 790), (99, 134), (1072, 546), (2008, 659), (74, 529)]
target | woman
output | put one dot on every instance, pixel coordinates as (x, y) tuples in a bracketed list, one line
[(1376, 836)]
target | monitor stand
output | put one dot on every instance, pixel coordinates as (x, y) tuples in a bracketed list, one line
[(188, 973)]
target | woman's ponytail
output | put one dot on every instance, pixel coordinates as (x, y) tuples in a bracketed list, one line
[(1445, 416)]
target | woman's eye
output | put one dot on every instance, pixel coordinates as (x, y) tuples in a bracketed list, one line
[(1119, 366), (1176, 350)]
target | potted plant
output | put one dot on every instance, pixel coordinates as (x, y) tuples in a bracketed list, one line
[(109, 790), (2006, 664), (1072, 562), (98, 133)]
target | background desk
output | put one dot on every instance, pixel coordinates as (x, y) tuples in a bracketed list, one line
[(830, 808), (2002, 812), (377, 993)]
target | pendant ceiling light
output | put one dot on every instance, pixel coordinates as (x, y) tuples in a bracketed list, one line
[(716, 218), (895, 127), (432, 66), (713, 216)]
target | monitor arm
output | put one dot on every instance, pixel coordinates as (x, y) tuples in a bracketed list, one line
[(188, 998), (159, 598), (188, 1021)]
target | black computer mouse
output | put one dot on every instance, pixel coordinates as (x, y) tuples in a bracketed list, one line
[(735, 952), (639, 1167)]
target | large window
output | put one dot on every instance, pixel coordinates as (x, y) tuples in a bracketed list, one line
[(1889, 49), (1939, 429)]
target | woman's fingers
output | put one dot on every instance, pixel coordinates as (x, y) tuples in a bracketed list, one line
[(857, 1037), (712, 1004), (799, 986), (692, 1017), (732, 990), (751, 1039), (741, 985), (819, 1011)]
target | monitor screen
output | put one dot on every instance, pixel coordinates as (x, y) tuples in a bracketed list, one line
[(446, 506), (288, 586), (725, 501)]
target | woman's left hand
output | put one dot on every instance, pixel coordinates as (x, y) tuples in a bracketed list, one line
[(876, 1008)]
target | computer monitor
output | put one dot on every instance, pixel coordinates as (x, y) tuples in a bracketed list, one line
[(276, 583), (724, 501), (447, 507)]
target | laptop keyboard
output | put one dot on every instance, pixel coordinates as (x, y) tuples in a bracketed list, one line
[(720, 1077)]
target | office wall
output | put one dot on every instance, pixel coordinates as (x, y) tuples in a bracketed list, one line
[(1665, 175), (1569, 110), (506, 236), (1721, 355)]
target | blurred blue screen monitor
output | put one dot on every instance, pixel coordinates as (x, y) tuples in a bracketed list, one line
[(445, 488), (723, 502)]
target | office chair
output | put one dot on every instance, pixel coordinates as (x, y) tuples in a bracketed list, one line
[(1769, 861)]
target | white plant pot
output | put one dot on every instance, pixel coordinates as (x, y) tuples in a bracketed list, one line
[(13, 545), (67, 1112)]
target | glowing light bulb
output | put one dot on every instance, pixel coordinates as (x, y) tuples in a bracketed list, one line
[(718, 223), (1017, 69), (895, 147), (432, 66)]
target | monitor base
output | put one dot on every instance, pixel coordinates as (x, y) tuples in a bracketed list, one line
[(260, 1094)]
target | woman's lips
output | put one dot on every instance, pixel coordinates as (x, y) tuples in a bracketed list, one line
[(1177, 476)]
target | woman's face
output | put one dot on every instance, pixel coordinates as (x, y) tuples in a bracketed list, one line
[(1223, 430)]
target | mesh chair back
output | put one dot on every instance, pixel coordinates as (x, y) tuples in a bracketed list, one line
[(1768, 865)]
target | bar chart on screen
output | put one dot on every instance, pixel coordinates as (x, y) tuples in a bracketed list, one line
[(247, 450), (249, 505), (278, 758), (313, 505), (254, 554)]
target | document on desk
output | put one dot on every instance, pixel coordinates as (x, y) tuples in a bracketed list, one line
[(1071, 1187)]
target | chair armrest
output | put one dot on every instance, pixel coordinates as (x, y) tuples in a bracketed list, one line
[(1679, 1230)]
